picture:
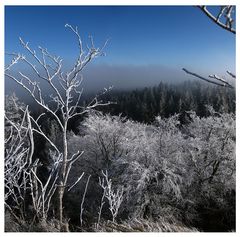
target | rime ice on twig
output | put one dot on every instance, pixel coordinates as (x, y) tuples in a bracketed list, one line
[(114, 198)]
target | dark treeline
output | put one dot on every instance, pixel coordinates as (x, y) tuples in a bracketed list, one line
[(143, 105), (167, 99)]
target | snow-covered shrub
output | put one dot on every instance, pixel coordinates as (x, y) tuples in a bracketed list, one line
[(209, 183), (211, 153), (154, 158), (102, 147), (146, 160), (14, 107), (166, 169), (105, 135)]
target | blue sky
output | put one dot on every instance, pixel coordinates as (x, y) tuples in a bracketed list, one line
[(168, 37)]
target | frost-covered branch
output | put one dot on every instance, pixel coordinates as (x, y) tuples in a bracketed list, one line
[(18, 157), (231, 74), (16, 58), (83, 199), (101, 204), (224, 18), (76, 182), (114, 198), (42, 196), (21, 176), (218, 81)]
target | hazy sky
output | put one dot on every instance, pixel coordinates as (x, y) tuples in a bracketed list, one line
[(147, 44)]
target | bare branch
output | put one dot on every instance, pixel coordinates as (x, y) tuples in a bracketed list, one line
[(39, 101), (231, 74), (16, 58), (220, 79), (207, 80), (114, 197), (75, 183), (102, 202), (83, 198), (18, 155), (229, 20)]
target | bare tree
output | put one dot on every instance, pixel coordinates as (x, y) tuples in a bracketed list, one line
[(66, 87)]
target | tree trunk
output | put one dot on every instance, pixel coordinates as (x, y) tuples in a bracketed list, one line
[(62, 177)]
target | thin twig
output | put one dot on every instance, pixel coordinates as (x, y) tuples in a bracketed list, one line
[(83, 198)]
